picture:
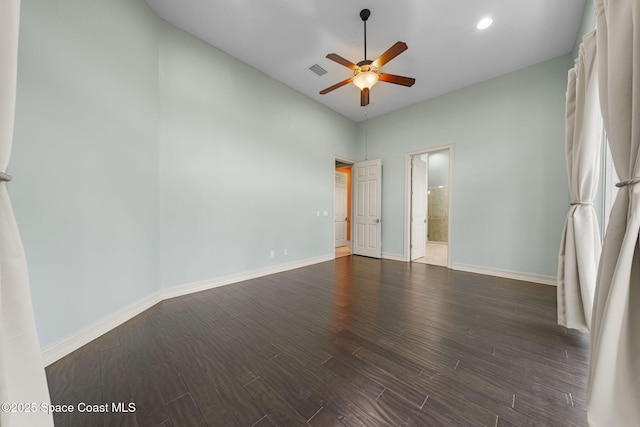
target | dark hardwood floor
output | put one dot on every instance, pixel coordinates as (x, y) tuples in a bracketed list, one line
[(353, 342)]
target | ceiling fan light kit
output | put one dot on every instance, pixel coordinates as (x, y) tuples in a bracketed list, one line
[(367, 73), (366, 76)]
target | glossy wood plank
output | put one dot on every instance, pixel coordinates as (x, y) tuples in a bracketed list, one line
[(350, 342), (183, 411), (168, 382), (150, 407), (276, 408)]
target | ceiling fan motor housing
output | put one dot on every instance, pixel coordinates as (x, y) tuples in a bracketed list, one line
[(365, 67)]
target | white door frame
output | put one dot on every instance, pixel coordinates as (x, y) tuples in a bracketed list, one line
[(407, 199), (333, 207)]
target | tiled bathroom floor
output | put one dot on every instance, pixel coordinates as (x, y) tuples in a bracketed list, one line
[(436, 254)]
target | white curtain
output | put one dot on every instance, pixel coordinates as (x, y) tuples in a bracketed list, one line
[(580, 245), (22, 377), (613, 395)]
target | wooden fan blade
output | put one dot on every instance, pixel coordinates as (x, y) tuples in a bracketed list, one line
[(336, 86), (391, 53), (398, 80), (340, 60), (364, 97)]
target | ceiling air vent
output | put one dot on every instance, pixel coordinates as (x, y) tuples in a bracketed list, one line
[(318, 70)]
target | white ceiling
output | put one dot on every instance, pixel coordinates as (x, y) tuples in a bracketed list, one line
[(283, 38)]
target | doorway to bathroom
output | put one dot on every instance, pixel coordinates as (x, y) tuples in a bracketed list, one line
[(428, 228)]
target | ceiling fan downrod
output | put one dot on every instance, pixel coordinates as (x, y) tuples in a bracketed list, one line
[(364, 15)]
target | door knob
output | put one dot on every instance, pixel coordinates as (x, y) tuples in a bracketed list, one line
[(377, 220)]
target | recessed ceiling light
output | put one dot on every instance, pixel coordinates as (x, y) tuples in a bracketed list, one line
[(484, 23)]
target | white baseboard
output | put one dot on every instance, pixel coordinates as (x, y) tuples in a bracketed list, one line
[(526, 277), (87, 334), (393, 257), (203, 285)]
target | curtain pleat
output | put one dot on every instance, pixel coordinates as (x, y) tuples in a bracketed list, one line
[(22, 377), (613, 394), (580, 245)]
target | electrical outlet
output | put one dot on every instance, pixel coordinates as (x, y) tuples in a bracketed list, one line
[(273, 254), (326, 213), (285, 252), (317, 213)]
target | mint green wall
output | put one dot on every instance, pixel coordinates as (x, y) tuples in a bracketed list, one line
[(85, 158), (144, 158), (245, 164), (510, 186)]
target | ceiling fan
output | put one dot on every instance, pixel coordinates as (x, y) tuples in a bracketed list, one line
[(366, 73)]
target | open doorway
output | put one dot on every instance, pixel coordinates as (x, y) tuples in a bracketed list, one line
[(342, 208), (429, 206)]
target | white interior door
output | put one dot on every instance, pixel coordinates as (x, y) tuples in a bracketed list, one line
[(366, 212), (340, 209), (418, 208)]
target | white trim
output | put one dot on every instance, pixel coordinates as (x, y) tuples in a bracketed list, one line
[(516, 275), (203, 285), (393, 257), (87, 334), (407, 199)]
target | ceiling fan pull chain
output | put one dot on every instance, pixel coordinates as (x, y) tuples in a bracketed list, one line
[(366, 136)]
